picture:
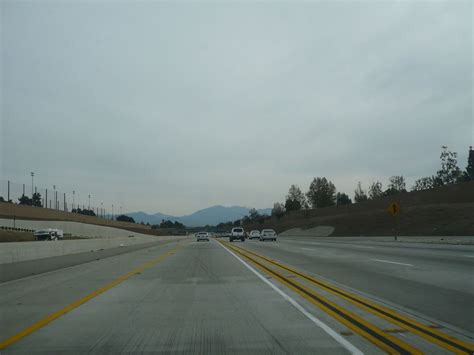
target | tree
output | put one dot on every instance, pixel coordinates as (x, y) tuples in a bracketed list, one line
[(449, 172), (469, 173), (85, 211), (253, 214), (424, 183), (396, 185), (170, 224), (178, 225), (278, 209), (292, 205), (125, 218), (342, 199), (36, 201), (322, 193), (25, 200), (375, 190), (295, 200), (359, 194)]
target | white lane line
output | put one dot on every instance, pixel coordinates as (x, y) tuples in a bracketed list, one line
[(469, 256), (310, 249), (336, 336), (391, 262), (363, 247)]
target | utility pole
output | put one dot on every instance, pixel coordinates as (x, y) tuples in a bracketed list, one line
[(32, 183), (89, 202), (55, 197)]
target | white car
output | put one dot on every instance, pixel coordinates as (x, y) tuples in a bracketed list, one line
[(237, 233), (49, 234), (202, 236), (255, 234), (268, 234)]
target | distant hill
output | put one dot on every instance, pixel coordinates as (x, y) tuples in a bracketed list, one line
[(150, 218), (208, 216)]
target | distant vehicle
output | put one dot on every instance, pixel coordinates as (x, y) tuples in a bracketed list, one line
[(268, 234), (202, 236), (49, 234), (237, 233), (255, 234)]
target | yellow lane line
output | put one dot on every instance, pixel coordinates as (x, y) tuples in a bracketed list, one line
[(374, 334), (430, 334), (15, 338)]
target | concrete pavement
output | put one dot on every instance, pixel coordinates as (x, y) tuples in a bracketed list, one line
[(190, 297), (199, 300), (433, 280)]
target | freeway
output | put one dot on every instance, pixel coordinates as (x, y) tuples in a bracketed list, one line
[(220, 297), (433, 280)]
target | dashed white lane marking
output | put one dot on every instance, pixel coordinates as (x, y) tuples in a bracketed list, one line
[(351, 348), (391, 262)]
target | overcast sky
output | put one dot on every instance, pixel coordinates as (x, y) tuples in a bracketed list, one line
[(173, 107)]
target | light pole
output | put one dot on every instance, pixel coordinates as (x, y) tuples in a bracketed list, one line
[(73, 198), (55, 198), (89, 201), (112, 211), (32, 184), (102, 209)]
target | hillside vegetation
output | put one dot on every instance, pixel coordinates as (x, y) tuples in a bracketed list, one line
[(446, 210)]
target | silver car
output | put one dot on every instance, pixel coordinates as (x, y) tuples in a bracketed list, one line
[(268, 234), (202, 236), (255, 234)]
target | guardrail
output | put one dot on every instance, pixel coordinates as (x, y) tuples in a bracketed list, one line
[(17, 229)]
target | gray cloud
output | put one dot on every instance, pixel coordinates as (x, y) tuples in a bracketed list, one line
[(171, 107)]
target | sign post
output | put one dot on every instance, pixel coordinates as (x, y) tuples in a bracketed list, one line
[(394, 210)]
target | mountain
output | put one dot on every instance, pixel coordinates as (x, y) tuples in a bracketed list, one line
[(150, 218), (208, 216)]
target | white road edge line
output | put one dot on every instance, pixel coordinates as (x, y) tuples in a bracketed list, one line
[(351, 348), (391, 262)]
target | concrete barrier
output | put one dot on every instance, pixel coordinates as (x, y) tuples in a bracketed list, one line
[(23, 251), (74, 228)]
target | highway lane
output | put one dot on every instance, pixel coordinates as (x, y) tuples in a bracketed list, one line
[(192, 297), (432, 281)]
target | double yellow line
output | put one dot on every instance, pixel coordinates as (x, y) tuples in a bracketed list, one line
[(40, 324), (377, 336)]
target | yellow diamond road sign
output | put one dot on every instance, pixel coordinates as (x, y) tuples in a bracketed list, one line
[(394, 208)]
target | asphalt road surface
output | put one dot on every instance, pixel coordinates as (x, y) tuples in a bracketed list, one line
[(215, 297)]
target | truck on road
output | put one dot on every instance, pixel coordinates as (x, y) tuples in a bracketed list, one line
[(237, 233)]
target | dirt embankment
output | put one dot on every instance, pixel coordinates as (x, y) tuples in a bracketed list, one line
[(443, 211), (10, 211)]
